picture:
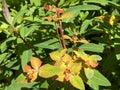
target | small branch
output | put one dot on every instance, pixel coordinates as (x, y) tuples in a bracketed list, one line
[(59, 28), (61, 31), (58, 35), (24, 40)]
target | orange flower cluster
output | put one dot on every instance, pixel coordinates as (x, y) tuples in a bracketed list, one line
[(54, 10), (33, 70)]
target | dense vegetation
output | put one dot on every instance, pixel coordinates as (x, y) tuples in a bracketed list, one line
[(59, 45)]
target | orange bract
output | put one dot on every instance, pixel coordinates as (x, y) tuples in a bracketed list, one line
[(48, 7), (27, 68), (92, 63), (32, 72), (59, 10), (35, 62)]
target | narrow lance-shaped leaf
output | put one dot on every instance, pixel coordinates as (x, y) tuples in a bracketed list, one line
[(25, 57), (92, 47), (6, 12), (84, 26), (102, 2)]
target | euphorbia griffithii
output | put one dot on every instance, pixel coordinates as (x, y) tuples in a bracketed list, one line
[(32, 72)]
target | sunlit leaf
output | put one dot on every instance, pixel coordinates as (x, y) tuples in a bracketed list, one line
[(77, 82), (47, 71), (2, 57), (93, 85), (99, 79), (21, 79), (95, 57), (19, 15), (25, 57), (81, 54), (89, 72), (19, 86), (83, 41), (55, 55), (63, 51), (67, 59), (35, 62), (61, 77), (67, 37), (67, 15), (76, 67)]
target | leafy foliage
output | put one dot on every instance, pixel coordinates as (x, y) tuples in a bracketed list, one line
[(59, 44)]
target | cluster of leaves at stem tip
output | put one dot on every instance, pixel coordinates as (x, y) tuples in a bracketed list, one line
[(68, 67)]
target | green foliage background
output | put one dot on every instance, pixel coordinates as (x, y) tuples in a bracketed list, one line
[(27, 17)]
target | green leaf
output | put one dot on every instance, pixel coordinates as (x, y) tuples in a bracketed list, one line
[(61, 3), (25, 57), (102, 2), (92, 47), (77, 82), (47, 71), (21, 78), (4, 45), (117, 51), (93, 85), (87, 7), (85, 25), (99, 79), (80, 53), (50, 44), (44, 85), (2, 57), (95, 57), (36, 2), (20, 14), (89, 72), (74, 11), (115, 4), (117, 46), (25, 31), (19, 86)]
